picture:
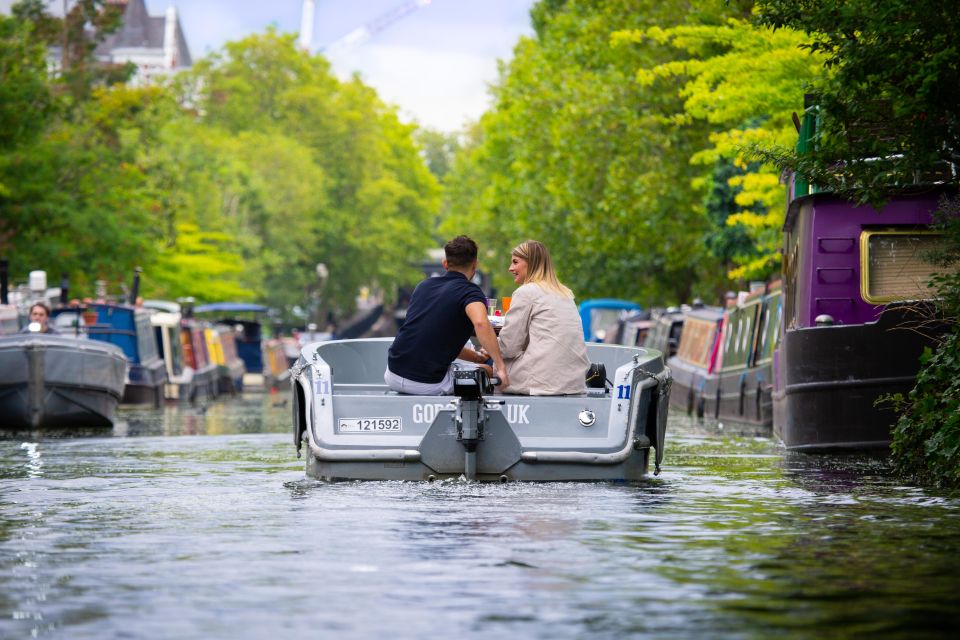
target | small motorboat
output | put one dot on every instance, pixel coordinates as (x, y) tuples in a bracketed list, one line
[(355, 428), (54, 381)]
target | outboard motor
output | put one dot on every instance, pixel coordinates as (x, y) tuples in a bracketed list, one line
[(469, 385)]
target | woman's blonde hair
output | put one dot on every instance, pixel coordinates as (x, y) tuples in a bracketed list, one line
[(540, 267)]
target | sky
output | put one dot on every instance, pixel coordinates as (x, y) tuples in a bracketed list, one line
[(435, 63)]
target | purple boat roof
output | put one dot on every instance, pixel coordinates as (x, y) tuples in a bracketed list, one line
[(823, 248)]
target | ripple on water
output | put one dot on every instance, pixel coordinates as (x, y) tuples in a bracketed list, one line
[(189, 524)]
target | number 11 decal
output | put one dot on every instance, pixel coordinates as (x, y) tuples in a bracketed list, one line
[(623, 392)]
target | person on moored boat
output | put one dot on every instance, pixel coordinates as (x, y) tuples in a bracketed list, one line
[(39, 316), (542, 335), (443, 313)]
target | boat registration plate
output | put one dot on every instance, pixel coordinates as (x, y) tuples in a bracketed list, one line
[(369, 425)]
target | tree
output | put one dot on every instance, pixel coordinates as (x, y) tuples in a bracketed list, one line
[(26, 102), (746, 82), (438, 149), (578, 155), (888, 102), (329, 173)]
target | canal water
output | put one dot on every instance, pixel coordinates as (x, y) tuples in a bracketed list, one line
[(198, 522)]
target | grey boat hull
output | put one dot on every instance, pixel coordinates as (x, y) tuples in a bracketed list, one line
[(355, 429), (50, 381)]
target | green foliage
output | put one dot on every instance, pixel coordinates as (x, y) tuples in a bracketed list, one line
[(576, 154), (325, 173), (891, 91), (439, 149), (233, 181), (77, 200), (926, 439), (746, 82), (730, 243), (25, 98), (204, 266)]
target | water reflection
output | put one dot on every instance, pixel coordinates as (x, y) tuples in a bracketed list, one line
[(34, 463)]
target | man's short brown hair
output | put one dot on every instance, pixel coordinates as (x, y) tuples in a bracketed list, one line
[(461, 252)]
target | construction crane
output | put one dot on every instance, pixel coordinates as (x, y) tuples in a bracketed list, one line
[(360, 34)]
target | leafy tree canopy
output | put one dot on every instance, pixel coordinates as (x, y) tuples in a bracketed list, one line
[(891, 91)]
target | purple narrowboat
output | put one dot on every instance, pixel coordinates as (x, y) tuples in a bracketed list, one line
[(855, 282)]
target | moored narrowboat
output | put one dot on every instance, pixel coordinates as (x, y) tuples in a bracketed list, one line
[(56, 381), (230, 367), (196, 356), (855, 323), (244, 318), (742, 388), (664, 332), (129, 328), (602, 319), (696, 359)]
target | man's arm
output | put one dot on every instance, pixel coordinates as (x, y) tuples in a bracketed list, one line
[(477, 312)]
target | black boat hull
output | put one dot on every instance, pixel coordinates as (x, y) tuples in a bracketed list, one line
[(832, 377), (49, 381), (743, 397)]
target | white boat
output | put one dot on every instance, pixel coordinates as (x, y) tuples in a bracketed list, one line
[(355, 428)]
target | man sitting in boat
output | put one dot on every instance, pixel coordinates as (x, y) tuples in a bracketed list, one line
[(542, 336), (39, 320), (444, 312)]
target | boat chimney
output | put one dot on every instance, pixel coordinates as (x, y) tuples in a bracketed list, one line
[(38, 283), (64, 288), (135, 290), (186, 306), (4, 282)]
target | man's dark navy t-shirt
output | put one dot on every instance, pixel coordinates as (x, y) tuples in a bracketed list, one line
[(436, 328)]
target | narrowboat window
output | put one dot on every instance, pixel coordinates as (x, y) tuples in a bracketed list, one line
[(894, 265), (747, 333), (763, 333)]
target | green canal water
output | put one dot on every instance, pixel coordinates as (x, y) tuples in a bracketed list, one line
[(199, 523)]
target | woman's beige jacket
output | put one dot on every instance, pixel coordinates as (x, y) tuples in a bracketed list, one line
[(542, 344)]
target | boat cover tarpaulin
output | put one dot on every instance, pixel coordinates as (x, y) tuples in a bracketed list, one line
[(231, 306)]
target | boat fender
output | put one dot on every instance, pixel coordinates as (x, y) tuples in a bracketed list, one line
[(743, 392)]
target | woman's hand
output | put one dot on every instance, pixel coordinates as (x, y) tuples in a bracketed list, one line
[(482, 355)]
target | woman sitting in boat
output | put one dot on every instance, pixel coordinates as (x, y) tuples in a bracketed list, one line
[(542, 336), (39, 317)]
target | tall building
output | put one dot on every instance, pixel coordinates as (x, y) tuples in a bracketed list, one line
[(154, 44)]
